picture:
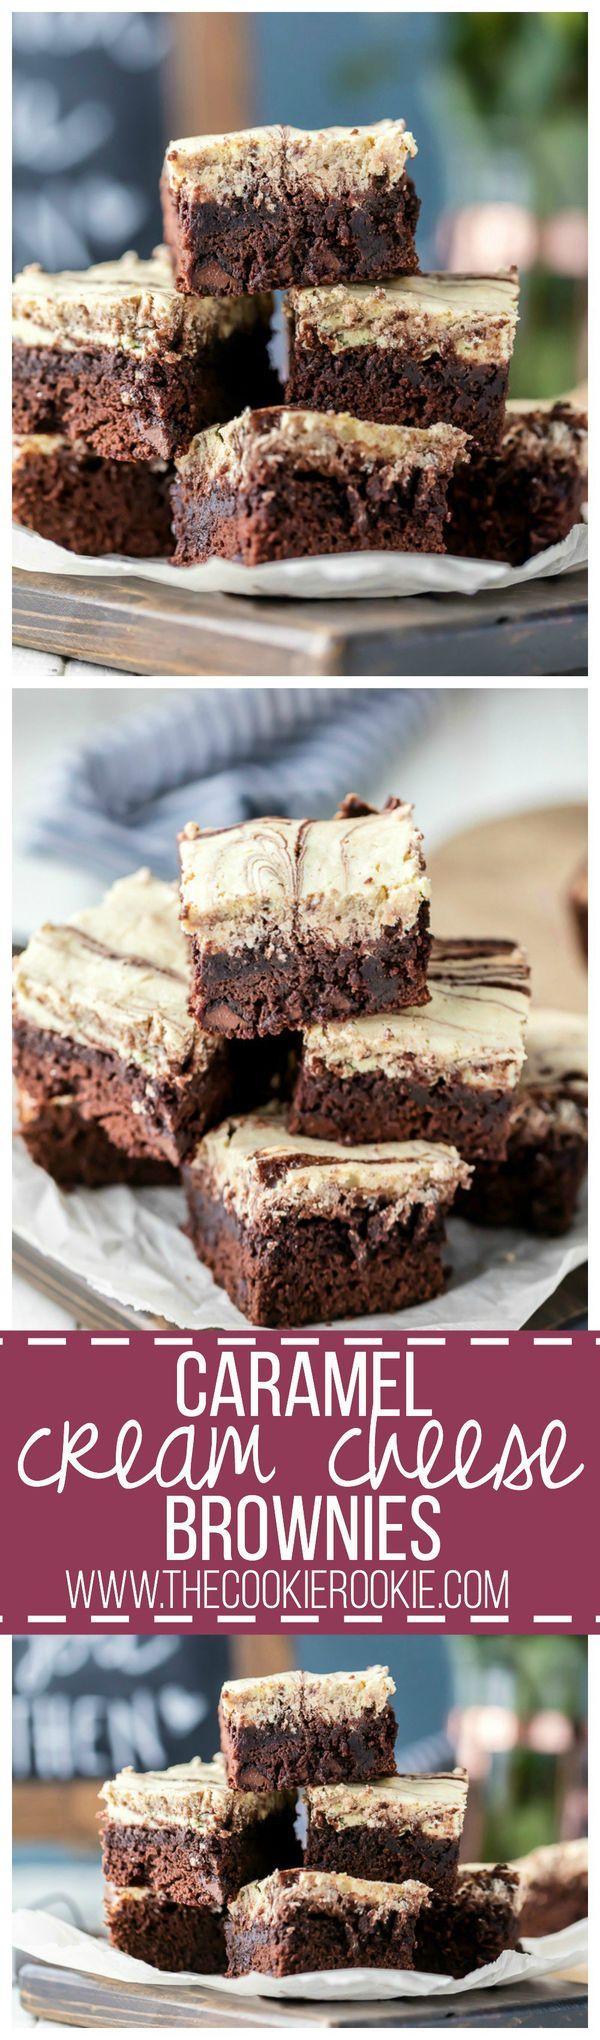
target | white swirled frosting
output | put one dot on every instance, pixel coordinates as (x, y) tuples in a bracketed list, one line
[(327, 1695), (130, 304), (193, 1795), (116, 977), (272, 163), (259, 443), (475, 315), (474, 1023), (282, 881), (433, 1802), (263, 1172)]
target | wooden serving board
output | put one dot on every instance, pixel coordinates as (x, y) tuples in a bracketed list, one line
[(144, 627), (511, 876), (64, 1996)]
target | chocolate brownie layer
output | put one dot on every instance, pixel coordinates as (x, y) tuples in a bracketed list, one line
[(234, 247), (292, 1727), (299, 1230), (272, 206), (446, 1071), (101, 1018), (263, 990), (470, 1926), (300, 1920), (525, 497), (393, 387), (162, 1122), (126, 409), (553, 1887), (193, 1867), (292, 920), (89, 505), (363, 1108), (169, 1936), (315, 1270), (398, 1827), (537, 1187), (538, 1184), (304, 518), (115, 357), (79, 1152), (367, 1852), (285, 484), (319, 1749), (410, 351)]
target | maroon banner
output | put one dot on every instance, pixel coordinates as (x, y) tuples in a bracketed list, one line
[(274, 1483)]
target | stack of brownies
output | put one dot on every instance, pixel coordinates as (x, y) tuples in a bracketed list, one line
[(147, 414), (208, 1869), (329, 1080)]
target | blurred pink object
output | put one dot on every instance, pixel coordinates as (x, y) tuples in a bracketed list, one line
[(486, 237), (481, 1731), (550, 1732), (564, 242)]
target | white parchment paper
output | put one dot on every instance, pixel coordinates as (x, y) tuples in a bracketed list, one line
[(326, 579), (55, 1940), (129, 1246)]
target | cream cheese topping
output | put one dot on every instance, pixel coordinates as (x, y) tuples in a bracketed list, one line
[(116, 977), (475, 315), (320, 1174), (193, 1795), (272, 163), (285, 1890), (434, 1803), (277, 881), (474, 1024), (317, 438), (327, 1695), (130, 304)]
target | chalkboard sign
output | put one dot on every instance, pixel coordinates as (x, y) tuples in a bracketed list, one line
[(89, 132), (83, 1707)]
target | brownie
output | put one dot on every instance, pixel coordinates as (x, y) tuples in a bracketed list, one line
[(77, 1151), (553, 1887), (396, 1828), (90, 505), (299, 1920), (116, 357), (292, 1728), (291, 922), (150, 1927), (447, 1071), (513, 503), (413, 350), (472, 1924), (538, 1183), (278, 484), (271, 206), (301, 1231), (114, 1079), (186, 1835)]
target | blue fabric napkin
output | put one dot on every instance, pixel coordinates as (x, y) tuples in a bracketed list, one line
[(216, 757)]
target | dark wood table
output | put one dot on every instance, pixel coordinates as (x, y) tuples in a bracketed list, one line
[(63, 1995), (147, 628)]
